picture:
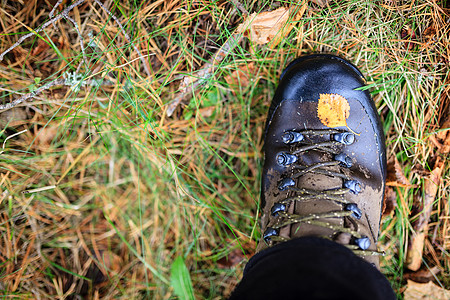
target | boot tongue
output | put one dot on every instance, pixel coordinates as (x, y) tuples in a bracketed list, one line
[(317, 182)]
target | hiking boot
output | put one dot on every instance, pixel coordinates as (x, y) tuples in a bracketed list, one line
[(325, 158)]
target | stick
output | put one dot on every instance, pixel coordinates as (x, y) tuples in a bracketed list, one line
[(50, 15), (33, 94), (52, 21), (81, 38), (190, 83)]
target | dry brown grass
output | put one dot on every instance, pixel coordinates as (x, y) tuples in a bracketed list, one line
[(117, 190)]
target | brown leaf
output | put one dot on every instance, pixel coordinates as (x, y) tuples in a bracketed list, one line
[(390, 201), (13, 117), (423, 210), (408, 35), (428, 35), (333, 110), (235, 257), (442, 140), (422, 291), (395, 175), (445, 130), (41, 47), (271, 26), (422, 276), (241, 76)]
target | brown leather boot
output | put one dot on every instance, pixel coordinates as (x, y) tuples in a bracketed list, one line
[(322, 178)]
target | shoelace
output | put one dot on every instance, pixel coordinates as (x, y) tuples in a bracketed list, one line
[(350, 210)]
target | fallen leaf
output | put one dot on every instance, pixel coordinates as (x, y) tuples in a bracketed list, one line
[(13, 117), (429, 33), (423, 209), (445, 129), (408, 35), (271, 26), (333, 110), (390, 201), (423, 291), (395, 175), (422, 276), (232, 259), (442, 140), (241, 76), (42, 46)]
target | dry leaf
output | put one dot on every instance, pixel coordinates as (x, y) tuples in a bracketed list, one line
[(408, 35), (232, 259), (442, 139), (242, 75), (395, 175), (390, 201), (13, 117), (333, 110), (270, 26), (423, 291), (422, 276), (445, 130), (423, 210)]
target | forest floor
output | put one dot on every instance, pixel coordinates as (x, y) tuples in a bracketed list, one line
[(131, 138)]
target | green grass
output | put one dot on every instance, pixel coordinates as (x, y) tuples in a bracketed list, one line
[(148, 189)]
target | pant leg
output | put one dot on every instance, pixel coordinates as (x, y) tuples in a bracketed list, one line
[(311, 268)]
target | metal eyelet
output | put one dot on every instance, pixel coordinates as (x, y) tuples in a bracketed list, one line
[(344, 160), (285, 159), (286, 183), (290, 137), (345, 138), (276, 208), (269, 233), (353, 185), (363, 243), (357, 213)]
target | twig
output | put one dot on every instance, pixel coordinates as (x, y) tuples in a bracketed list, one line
[(52, 21), (45, 188), (190, 83), (65, 82), (31, 95), (147, 70), (240, 6), (81, 38), (50, 15)]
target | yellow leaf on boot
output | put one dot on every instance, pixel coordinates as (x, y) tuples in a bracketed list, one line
[(333, 110)]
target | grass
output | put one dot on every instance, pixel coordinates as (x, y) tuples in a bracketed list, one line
[(123, 196)]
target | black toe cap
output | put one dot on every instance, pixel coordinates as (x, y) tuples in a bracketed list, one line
[(309, 76)]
